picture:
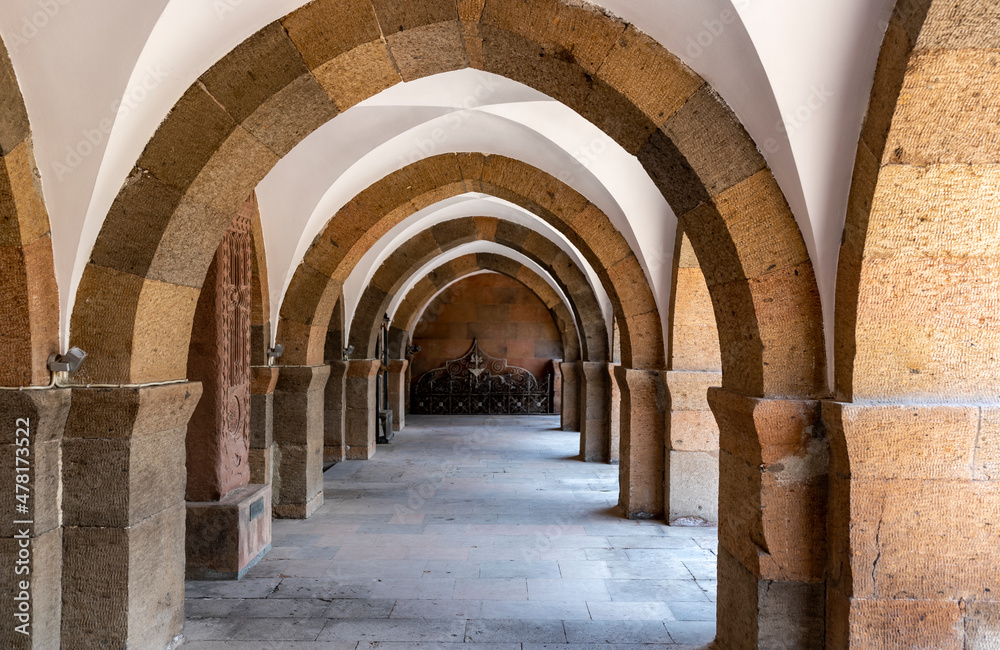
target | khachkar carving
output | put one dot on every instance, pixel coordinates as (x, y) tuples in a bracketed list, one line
[(219, 433), (234, 342), (477, 383)]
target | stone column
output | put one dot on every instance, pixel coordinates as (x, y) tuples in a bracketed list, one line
[(263, 380), (397, 392), (914, 506), (359, 427), (570, 412), (614, 417), (298, 439), (694, 448), (31, 436), (556, 386), (124, 515), (595, 397), (773, 462), (334, 444), (644, 406)]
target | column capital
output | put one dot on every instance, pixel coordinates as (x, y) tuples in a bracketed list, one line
[(263, 379), (302, 379)]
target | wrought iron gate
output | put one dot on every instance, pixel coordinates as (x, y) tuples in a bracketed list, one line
[(477, 384)]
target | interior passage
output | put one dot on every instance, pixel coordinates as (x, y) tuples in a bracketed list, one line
[(471, 531)]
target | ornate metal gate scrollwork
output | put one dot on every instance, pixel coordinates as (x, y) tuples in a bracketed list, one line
[(477, 384)]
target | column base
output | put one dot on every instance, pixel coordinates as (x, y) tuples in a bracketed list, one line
[(226, 538), (298, 510)]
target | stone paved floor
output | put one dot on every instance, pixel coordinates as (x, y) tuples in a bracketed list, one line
[(474, 533)]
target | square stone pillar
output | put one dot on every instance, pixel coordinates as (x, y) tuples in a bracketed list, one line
[(298, 438), (614, 417), (556, 386), (644, 406), (263, 380), (570, 407), (773, 462), (693, 461), (123, 515), (913, 526), (334, 444), (31, 435), (595, 398), (226, 538), (397, 392), (359, 426)]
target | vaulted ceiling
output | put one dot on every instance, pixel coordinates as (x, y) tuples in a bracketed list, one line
[(98, 78)]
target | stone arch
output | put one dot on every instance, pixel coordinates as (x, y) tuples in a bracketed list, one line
[(356, 226), (913, 476), (430, 286), (29, 306), (136, 298), (223, 136), (584, 308)]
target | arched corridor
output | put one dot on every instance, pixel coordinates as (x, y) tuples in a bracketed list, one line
[(738, 260), (474, 530)]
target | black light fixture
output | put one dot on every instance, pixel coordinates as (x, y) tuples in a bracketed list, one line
[(69, 362), (348, 351), (412, 350), (276, 351)]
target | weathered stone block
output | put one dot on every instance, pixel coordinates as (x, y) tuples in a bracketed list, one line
[(226, 538), (196, 127), (648, 75), (326, 29), (595, 395), (774, 462), (644, 406), (924, 132), (262, 466), (254, 71), (359, 423), (334, 444), (713, 141), (291, 114), (570, 412), (397, 392), (428, 50), (298, 436), (131, 593), (694, 485), (754, 613), (689, 390)]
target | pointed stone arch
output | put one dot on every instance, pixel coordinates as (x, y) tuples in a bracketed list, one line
[(431, 285), (29, 306), (916, 346), (356, 226), (583, 308)]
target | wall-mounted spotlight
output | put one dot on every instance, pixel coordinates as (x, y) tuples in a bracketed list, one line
[(412, 350), (69, 362), (276, 351), (348, 351)]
